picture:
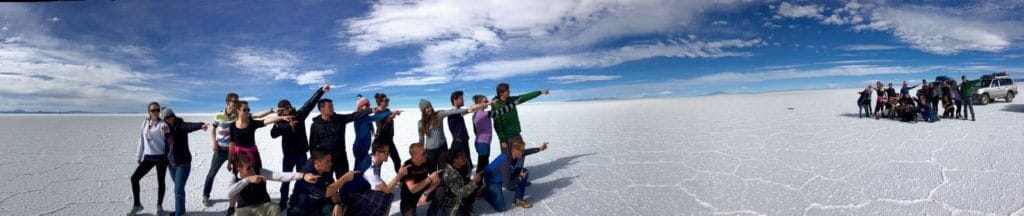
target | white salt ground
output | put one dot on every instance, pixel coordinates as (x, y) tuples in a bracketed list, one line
[(725, 154)]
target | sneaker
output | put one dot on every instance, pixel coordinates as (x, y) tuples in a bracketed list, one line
[(206, 201), (134, 210), (521, 203)]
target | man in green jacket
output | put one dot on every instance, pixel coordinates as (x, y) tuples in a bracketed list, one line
[(506, 116), (966, 91)]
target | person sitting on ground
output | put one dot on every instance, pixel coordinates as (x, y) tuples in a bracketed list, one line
[(890, 107), (418, 182), (459, 192), (250, 192), (370, 195), (320, 197), (507, 171)]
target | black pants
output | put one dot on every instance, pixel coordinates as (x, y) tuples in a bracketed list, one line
[(142, 170), (434, 157), (291, 161), (339, 160), (397, 160), (463, 146)]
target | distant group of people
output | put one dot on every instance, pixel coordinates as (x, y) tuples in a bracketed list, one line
[(325, 183), (956, 99)]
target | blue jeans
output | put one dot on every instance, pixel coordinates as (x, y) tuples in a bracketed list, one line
[(866, 108), (291, 160), (968, 105), (483, 151), (180, 176), (519, 182), (216, 162), (494, 196)]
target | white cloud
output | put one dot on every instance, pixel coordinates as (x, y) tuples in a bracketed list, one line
[(54, 19), (46, 73), (867, 47), (452, 32), (990, 27), (635, 90), (720, 22), (942, 33), (797, 11), (249, 98), (277, 63), (313, 77), (569, 79), (676, 49)]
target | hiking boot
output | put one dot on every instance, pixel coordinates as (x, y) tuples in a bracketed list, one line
[(521, 203), (206, 201), (231, 211), (134, 210), (159, 209)]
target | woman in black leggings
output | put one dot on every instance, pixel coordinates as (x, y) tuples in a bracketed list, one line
[(151, 153)]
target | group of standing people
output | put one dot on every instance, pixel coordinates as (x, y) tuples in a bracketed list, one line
[(325, 184), (956, 99)]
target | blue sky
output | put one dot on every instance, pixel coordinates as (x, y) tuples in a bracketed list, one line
[(117, 56)]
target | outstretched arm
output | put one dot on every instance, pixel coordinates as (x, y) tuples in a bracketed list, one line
[(307, 107), (193, 126), (271, 120), (523, 98), (262, 114), (279, 129)]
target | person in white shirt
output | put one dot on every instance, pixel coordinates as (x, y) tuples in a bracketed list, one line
[(250, 192), (372, 195), (150, 154)]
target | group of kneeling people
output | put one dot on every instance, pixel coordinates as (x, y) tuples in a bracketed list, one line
[(363, 191), (956, 99)]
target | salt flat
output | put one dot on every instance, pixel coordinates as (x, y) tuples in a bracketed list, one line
[(727, 154)]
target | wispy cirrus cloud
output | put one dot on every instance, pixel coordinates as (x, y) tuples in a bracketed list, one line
[(721, 79), (991, 27), (278, 64), (570, 79), (491, 70), (451, 32), (867, 47), (39, 71)]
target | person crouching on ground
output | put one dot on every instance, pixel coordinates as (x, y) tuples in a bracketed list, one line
[(320, 197), (250, 192), (509, 173)]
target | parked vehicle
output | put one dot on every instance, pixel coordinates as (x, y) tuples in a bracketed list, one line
[(995, 86)]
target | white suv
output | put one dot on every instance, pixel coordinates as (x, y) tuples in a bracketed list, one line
[(995, 86)]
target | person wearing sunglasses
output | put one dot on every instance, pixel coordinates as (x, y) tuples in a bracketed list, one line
[(220, 136), (243, 135), (150, 153), (178, 154)]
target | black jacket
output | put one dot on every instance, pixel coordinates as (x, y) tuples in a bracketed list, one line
[(385, 129), (294, 139), (457, 126), (330, 134), (178, 152)]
